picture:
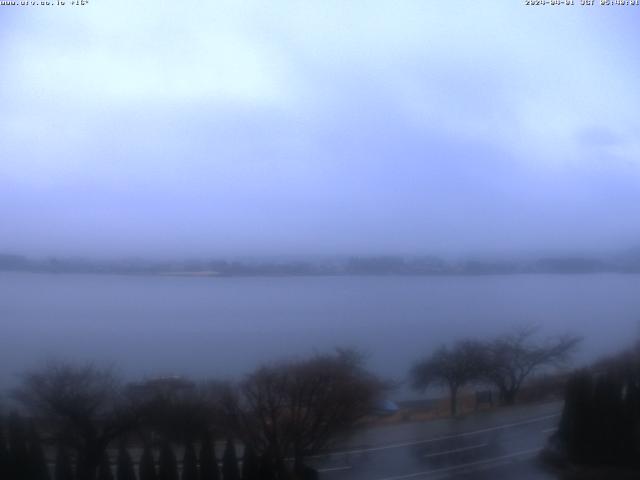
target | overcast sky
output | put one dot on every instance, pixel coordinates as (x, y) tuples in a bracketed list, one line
[(330, 127)]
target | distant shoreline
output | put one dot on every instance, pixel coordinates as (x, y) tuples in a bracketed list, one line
[(388, 265), (312, 275)]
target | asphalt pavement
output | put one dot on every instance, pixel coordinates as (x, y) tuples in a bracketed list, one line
[(496, 444)]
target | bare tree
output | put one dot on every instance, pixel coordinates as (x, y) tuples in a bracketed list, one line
[(298, 408), (450, 367), (83, 405), (178, 409), (511, 358)]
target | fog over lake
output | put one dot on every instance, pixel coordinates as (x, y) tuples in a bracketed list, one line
[(224, 327), (314, 131), (252, 191)]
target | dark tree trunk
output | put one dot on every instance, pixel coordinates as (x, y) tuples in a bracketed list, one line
[(273, 466), (267, 470), (104, 472), (63, 469), (208, 460), (147, 465), (38, 462), (454, 400), (4, 456), (303, 472), (298, 463), (124, 470), (88, 462), (250, 464), (230, 469), (168, 466), (19, 460), (508, 396), (189, 464)]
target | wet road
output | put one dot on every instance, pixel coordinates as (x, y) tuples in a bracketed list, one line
[(502, 444)]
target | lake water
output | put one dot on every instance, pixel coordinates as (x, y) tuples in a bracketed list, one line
[(224, 327)]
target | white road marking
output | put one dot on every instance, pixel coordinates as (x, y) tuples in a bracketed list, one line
[(334, 469), (497, 460), (455, 450), (549, 430), (438, 439)]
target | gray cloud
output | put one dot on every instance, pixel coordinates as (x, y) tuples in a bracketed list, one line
[(290, 129)]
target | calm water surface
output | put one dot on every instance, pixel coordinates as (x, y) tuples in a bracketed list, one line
[(224, 326)]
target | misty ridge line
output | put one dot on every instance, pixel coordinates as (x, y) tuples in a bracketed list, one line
[(627, 262)]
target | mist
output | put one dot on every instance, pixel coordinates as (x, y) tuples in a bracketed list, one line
[(412, 226), (251, 130)]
